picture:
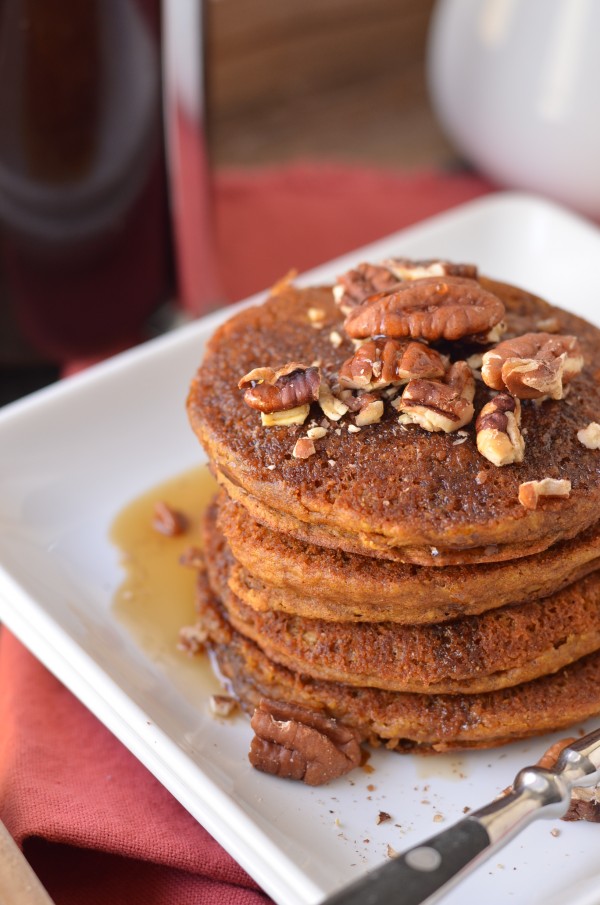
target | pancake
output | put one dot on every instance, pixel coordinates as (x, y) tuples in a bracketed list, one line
[(496, 650), (391, 491), (406, 721), (272, 571)]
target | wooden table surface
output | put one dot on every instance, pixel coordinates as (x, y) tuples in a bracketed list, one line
[(321, 80)]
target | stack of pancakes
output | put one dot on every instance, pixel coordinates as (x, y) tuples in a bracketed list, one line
[(393, 580)]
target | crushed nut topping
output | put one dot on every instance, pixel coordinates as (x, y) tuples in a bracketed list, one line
[(379, 363), (269, 390), (304, 448), (295, 743), (223, 705), (336, 339), (498, 436), (168, 521), (590, 435), (533, 365), (438, 406), (430, 309), (531, 491), (316, 433)]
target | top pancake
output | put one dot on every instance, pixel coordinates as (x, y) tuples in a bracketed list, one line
[(388, 491)]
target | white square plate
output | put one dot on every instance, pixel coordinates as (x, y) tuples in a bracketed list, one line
[(72, 456)]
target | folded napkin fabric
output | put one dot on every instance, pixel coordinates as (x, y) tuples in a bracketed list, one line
[(269, 221), (96, 826)]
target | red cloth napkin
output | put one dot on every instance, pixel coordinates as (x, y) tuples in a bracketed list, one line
[(96, 826)]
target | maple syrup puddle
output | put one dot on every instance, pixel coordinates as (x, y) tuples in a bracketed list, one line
[(156, 597)]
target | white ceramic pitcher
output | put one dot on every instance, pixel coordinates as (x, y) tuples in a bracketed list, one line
[(516, 86)]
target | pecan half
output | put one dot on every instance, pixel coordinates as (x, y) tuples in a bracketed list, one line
[(358, 284), (361, 282), (498, 436), (278, 390), (438, 406), (381, 362), (430, 309), (533, 365), (531, 491), (295, 743)]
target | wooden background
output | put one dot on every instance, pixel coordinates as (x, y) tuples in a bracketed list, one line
[(320, 79)]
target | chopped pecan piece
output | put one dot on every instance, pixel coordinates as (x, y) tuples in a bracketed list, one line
[(437, 406), (381, 362), (590, 435), (584, 805), (430, 309), (289, 387), (192, 639), (316, 316), (498, 436), (531, 491), (193, 558), (406, 269), (370, 413), (304, 448), (548, 325), (367, 406), (297, 415), (331, 406), (223, 705), (354, 402), (533, 365), (168, 521), (295, 743), (316, 433)]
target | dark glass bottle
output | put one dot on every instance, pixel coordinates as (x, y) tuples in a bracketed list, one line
[(85, 248)]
